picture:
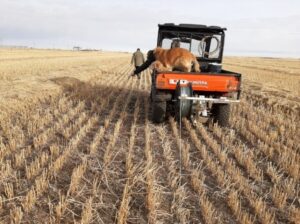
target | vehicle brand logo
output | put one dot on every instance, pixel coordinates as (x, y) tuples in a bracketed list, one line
[(200, 83), (196, 82)]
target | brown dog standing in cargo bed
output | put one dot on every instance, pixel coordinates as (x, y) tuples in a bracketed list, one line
[(174, 59), (178, 59)]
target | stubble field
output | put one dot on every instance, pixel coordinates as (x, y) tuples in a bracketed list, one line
[(77, 145)]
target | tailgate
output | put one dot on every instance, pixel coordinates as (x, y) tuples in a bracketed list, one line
[(200, 81)]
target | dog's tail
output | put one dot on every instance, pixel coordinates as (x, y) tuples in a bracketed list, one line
[(196, 65)]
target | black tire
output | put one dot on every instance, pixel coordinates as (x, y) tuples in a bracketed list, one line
[(159, 111), (153, 87), (220, 114), (152, 93)]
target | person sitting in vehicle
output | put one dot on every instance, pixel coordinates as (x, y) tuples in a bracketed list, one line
[(175, 43)]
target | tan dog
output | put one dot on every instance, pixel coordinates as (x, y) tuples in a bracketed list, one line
[(174, 59)]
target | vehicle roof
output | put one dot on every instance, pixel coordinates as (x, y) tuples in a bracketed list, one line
[(190, 27)]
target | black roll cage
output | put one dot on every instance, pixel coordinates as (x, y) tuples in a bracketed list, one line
[(192, 31)]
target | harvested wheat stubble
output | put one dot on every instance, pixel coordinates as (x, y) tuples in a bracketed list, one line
[(77, 146)]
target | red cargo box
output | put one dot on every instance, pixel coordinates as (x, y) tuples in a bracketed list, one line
[(200, 81)]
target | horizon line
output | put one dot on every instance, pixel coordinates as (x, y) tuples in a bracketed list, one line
[(232, 53)]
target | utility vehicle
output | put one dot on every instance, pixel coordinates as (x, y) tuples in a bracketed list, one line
[(206, 94)]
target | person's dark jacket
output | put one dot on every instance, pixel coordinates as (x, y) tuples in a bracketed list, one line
[(147, 63)]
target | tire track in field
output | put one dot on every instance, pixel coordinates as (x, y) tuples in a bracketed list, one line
[(203, 175), (68, 199), (75, 136)]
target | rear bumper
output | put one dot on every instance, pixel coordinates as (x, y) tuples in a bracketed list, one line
[(222, 100)]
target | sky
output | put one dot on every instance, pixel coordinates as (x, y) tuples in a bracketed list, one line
[(254, 27)]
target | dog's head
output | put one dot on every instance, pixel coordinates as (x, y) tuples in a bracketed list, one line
[(156, 65)]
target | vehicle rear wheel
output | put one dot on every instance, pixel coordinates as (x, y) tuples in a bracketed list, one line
[(220, 114), (159, 111)]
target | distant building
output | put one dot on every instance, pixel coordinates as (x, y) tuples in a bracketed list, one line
[(76, 48)]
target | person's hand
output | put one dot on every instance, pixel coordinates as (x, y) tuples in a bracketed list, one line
[(131, 74)]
